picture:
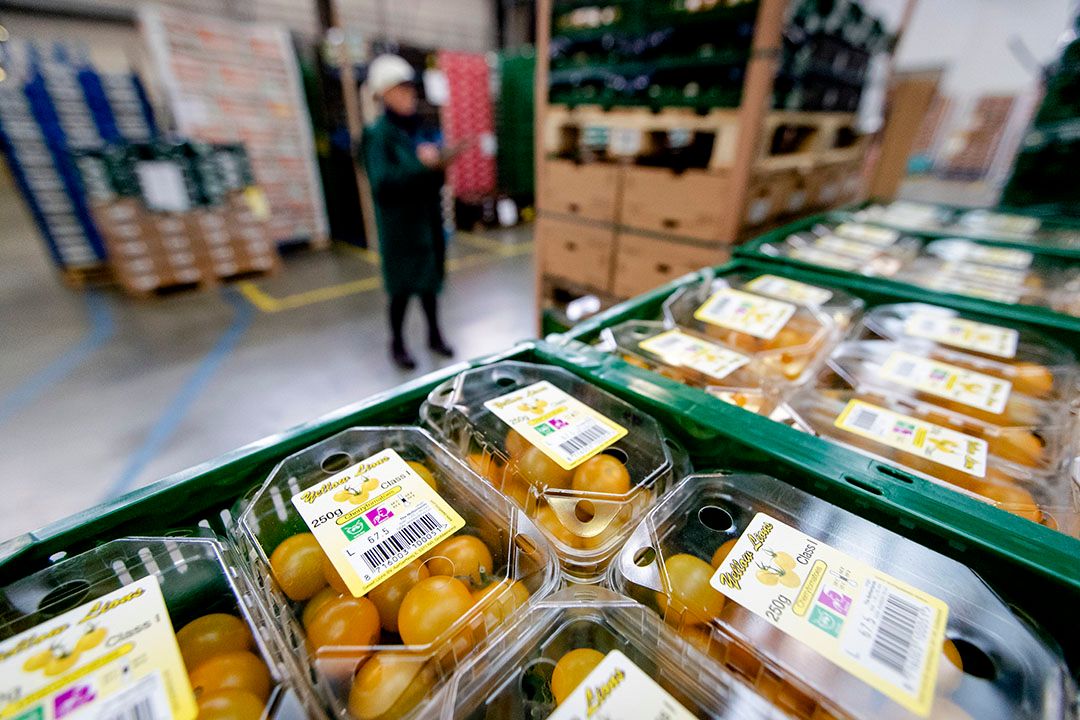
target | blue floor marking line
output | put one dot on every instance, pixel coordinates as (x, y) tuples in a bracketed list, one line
[(177, 408), (101, 331)]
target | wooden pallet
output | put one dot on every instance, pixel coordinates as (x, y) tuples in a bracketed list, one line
[(208, 282), (81, 278), (794, 140)]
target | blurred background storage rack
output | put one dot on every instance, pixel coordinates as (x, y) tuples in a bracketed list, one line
[(667, 132)]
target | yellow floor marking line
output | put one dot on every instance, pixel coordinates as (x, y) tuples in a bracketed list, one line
[(493, 246), (369, 255)]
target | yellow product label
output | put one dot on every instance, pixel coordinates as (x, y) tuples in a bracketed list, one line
[(792, 290), (968, 387), (998, 257), (882, 630), (882, 237), (918, 437), (617, 688), (257, 202), (565, 429), (680, 349), (817, 256), (374, 518), (844, 246), (974, 273), (113, 657), (964, 334), (745, 312), (972, 287)]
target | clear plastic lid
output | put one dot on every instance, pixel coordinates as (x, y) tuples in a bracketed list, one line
[(848, 618), (562, 639), (1000, 225), (843, 308), (988, 282), (907, 215), (1012, 468), (581, 463), (1036, 365), (441, 560), (696, 360), (851, 246), (1012, 263), (945, 379), (786, 339), (141, 627)]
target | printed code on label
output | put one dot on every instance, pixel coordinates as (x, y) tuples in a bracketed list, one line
[(400, 543), (897, 634), (905, 368), (865, 419), (589, 437), (143, 701)]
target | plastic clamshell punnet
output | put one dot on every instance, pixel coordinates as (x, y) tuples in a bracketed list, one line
[(848, 246), (790, 345), (990, 665), (693, 359), (513, 679), (1036, 365), (388, 677), (118, 655), (1011, 468), (585, 515)]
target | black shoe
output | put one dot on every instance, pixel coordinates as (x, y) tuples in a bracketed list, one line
[(402, 358), (439, 347)]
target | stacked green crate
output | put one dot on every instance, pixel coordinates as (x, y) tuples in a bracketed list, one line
[(514, 122)]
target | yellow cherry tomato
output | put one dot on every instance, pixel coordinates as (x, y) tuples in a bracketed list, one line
[(424, 472), (317, 603), (722, 552), (389, 685), (601, 474), (572, 668), (692, 598), (516, 444), (333, 577), (950, 669), (210, 635), (1032, 379), (388, 594), (232, 671), (297, 566), (348, 622), (540, 470), (465, 557), (230, 705), (430, 607)]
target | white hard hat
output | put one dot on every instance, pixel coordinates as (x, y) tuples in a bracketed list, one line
[(387, 71)]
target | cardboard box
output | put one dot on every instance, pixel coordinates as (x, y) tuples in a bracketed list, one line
[(643, 262), (828, 183), (588, 191), (574, 251), (692, 203), (768, 195)]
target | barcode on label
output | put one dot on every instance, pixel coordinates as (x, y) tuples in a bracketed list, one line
[(864, 419), (399, 544), (897, 633), (904, 369), (591, 434), (145, 700)]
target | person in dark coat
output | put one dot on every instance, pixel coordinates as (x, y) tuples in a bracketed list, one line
[(405, 168)]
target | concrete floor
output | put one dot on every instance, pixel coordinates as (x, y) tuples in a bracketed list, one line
[(100, 394)]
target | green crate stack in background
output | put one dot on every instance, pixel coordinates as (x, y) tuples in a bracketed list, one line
[(514, 122)]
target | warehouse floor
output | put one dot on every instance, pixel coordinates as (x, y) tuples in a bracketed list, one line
[(100, 394)]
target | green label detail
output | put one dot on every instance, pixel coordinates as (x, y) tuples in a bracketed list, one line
[(355, 528)]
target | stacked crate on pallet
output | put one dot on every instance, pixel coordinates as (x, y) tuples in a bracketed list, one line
[(658, 147)]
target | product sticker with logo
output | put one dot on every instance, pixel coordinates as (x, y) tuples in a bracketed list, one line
[(565, 429), (918, 437), (964, 334), (793, 290), (880, 629), (746, 313), (882, 237), (618, 689), (951, 382), (375, 517), (681, 349), (113, 657)]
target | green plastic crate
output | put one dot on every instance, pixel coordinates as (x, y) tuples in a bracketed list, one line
[(1021, 560), (1033, 567), (1064, 327)]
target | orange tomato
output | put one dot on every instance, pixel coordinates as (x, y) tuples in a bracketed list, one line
[(389, 685), (1032, 379), (540, 470), (297, 566), (465, 557), (230, 705), (1012, 498), (430, 607), (317, 603), (388, 594), (692, 598), (232, 671), (601, 474), (210, 635), (722, 552), (1019, 446), (347, 622), (424, 472), (571, 670)]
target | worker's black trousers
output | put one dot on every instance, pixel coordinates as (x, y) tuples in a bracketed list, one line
[(400, 303)]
